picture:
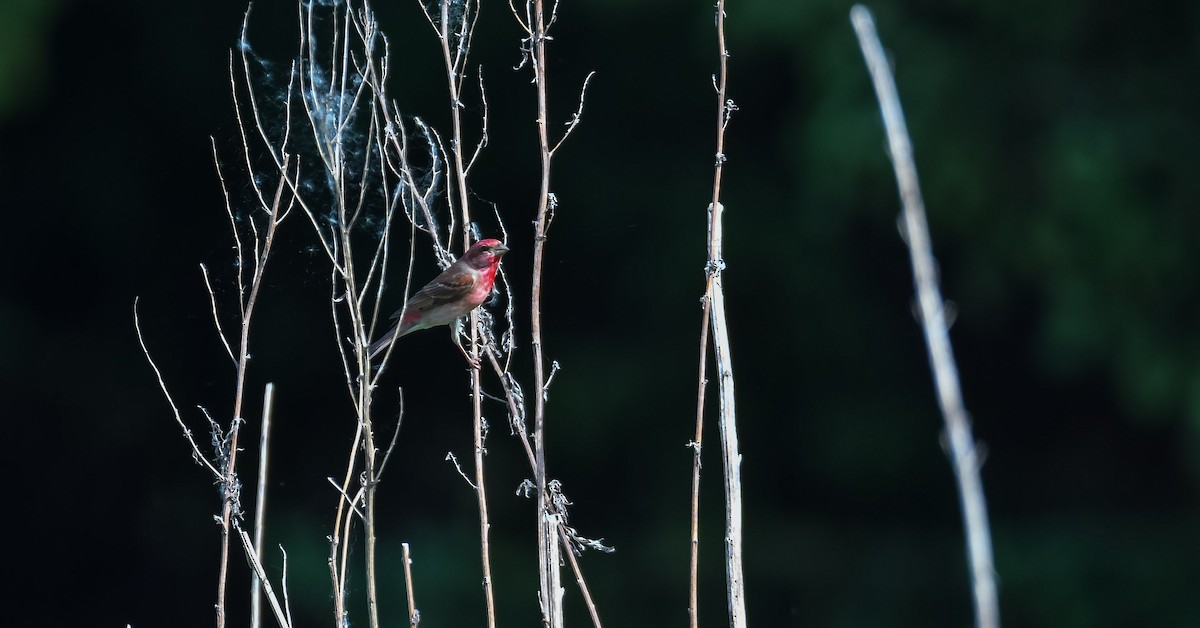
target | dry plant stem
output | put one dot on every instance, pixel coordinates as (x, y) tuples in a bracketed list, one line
[(408, 586), (329, 154), (480, 492), (715, 301), (338, 92), (243, 358), (260, 503), (455, 63), (697, 445), (339, 549), (569, 552), (335, 92), (259, 573), (197, 454), (287, 605), (964, 457), (513, 409), (727, 424), (548, 520), (247, 299), (370, 469)]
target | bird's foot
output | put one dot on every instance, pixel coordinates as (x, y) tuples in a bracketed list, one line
[(473, 361)]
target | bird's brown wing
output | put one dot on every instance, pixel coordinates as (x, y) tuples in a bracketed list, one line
[(451, 286)]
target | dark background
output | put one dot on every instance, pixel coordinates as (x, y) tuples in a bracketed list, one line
[(1057, 144)]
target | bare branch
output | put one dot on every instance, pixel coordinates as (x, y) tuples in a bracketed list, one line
[(212, 299), (457, 467), (197, 455), (255, 565), (395, 438), (576, 117), (483, 130)]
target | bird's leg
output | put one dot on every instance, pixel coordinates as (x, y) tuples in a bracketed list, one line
[(455, 330)]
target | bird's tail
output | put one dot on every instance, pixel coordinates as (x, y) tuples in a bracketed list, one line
[(379, 346)]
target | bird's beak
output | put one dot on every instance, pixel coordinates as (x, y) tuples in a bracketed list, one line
[(499, 250)]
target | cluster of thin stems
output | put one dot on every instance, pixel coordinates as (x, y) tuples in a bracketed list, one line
[(339, 150), (964, 456)]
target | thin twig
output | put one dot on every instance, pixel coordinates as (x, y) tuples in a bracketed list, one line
[(458, 467), (583, 587), (483, 124), (387, 454), (197, 455), (261, 575), (478, 435), (370, 472), (697, 445), (287, 604), (576, 117), (212, 298), (964, 457)]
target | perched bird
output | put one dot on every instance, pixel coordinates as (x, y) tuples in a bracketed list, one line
[(461, 288)]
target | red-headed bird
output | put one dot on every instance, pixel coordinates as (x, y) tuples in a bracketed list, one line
[(461, 288)]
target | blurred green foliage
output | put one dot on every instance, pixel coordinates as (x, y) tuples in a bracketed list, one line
[(24, 35)]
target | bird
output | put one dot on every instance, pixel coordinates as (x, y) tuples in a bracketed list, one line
[(455, 293)]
